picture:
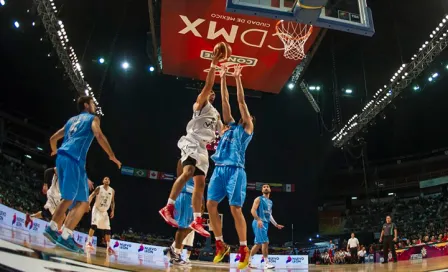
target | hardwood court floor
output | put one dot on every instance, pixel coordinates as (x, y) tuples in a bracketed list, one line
[(20, 251)]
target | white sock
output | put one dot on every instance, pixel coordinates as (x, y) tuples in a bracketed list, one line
[(218, 238), (243, 243), (89, 239), (53, 226), (178, 250), (171, 202), (66, 233), (196, 215)]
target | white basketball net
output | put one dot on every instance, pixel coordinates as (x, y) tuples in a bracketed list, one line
[(294, 36)]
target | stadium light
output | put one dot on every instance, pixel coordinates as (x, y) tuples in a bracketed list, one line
[(391, 194), (416, 88), (40, 148), (314, 88), (354, 198), (2, 2), (151, 68), (310, 239), (291, 86), (348, 91), (317, 236), (435, 75), (58, 36), (125, 65), (101, 60), (28, 156), (16, 24), (33, 23), (424, 56)]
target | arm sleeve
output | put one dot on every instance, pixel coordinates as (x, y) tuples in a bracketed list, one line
[(48, 175), (271, 218)]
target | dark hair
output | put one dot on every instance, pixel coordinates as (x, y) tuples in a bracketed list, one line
[(266, 184), (82, 100)]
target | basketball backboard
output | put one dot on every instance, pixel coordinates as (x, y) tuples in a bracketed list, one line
[(344, 15), (191, 29)]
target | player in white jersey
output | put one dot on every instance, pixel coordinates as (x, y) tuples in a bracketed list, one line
[(53, 197), (194, 155), (105, 199)]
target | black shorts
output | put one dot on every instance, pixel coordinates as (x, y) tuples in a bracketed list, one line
[(46, 214), (192, 162)]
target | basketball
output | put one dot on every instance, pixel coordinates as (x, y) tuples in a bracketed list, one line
[(223, 50)]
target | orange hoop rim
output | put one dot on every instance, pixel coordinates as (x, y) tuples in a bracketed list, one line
[(289, 37)]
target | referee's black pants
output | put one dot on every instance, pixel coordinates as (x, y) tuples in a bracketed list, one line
[(354, 255), (388, 243)]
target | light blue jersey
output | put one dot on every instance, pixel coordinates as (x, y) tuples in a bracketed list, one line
[(264, 210), (78, 137), (189, 186), (232, 147)]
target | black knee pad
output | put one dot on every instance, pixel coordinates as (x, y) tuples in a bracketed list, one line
[(94, 227), (107, 232), (46, 214)]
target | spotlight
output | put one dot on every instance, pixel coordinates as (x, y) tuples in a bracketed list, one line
[(33, 24), (125, 65), (28, 156), (317, 235), (16, 24), (151, 68), (310, 239), (416, 88), (291, 86), (2, 2), (435, 75), (101, 60), (348, 91), (430, 79), (317, 88)]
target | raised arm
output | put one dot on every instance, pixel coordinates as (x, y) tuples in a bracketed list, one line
[(226, 111), (54, 140), (245, 115), (102, 140), (209, 81)]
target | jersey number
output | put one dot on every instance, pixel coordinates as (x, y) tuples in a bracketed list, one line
[(73, 127)]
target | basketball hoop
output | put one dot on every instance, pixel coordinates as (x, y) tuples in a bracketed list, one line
[(294, 36)]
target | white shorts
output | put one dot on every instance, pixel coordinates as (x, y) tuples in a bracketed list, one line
[(100, 219), (52, 203), (189, 239), (191, 147)]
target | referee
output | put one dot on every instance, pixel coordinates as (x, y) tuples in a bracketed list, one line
[(389, 233)]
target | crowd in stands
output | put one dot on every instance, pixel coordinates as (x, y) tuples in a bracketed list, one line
[(20, 185)]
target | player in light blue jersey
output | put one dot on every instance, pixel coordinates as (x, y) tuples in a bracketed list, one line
[(262, 213), (229, 176), (183, 214), (78, 134)]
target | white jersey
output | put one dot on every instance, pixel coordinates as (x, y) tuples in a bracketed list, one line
[(54, 192), (104, 198), (204, 124)]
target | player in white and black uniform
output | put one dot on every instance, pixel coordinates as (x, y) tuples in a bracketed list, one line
[(105, 199), (53, 198), (194, 155)]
